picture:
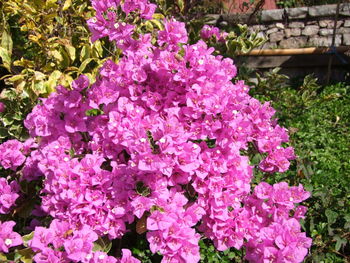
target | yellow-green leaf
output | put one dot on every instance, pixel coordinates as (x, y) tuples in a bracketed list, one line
[(65, 80), (67, 4), (6, 58), (149, 26), (84, 64), (39, 75), (27, 237), (158, 24), (91, 77), (66, 58), (34, 38), (25, 63), (20, 86), (51, 83), (5, 76), (102, 244), (3, 257), (84, 53), (71, 52), (26, 255), (14, 78), (38, 87), (57, 55), (6, 40), (181, 4), (50, 3), (97, 46), (158, 16)]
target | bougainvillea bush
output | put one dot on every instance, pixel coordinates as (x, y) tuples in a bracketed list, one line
[(159, 146)]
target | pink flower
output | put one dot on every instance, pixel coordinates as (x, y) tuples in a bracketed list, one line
[(2, 107), (8, 195), (8, 238), (11, 155), (174, 33)]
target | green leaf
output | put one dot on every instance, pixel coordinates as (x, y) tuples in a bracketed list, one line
[(3, 133), (181, 5), (27, 238), (341, 242), (347, 219), (93, 112), (66, 58), (102, 244), (18, 116), (331, 216), (7, 119), (26, 255), (84, 64)]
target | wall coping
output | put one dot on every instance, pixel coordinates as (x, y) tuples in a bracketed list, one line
[(288, 14)]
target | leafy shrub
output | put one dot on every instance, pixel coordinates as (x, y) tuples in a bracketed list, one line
[(43, 44), (156, 152), (318, 120)]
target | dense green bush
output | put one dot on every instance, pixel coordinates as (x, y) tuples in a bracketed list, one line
[(318, 119)]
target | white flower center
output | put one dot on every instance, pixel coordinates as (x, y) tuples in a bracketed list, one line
[(8, 242)]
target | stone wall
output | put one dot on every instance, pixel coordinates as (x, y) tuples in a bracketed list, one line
[(299, 27)]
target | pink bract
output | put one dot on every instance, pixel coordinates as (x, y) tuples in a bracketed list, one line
[(161, 136)]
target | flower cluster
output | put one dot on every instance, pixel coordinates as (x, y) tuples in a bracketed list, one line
[(107, 22), (8, 238), (274, 235), (78, 244), (11, 154), (209, 32), (8, 195), (160, 140)]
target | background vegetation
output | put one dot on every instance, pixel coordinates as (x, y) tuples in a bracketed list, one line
[(45, 43), (299, 3), (318, 119)]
